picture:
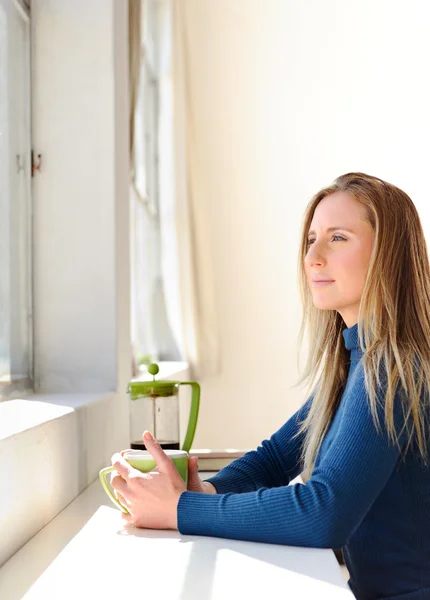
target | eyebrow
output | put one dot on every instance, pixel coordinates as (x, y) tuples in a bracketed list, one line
[(330, 229)]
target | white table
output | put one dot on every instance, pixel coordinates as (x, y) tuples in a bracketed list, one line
[(85, 553)]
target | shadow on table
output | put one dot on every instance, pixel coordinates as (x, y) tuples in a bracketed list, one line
[(198, 582)]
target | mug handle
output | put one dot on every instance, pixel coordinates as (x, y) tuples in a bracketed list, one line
[(108, 489)]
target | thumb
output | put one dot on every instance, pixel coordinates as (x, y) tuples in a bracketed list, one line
[(193, 468), (193, 464), (155, 450)]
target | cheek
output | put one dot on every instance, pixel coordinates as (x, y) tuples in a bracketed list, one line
[(351, 268)]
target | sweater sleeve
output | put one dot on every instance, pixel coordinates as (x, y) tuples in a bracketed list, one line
[(350, 474), (275, 463)]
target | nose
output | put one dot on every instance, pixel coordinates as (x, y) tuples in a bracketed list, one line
[(314, 256)]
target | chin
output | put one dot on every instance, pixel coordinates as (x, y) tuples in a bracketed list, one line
[(324, 305)]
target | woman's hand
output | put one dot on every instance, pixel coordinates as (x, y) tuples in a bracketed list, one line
[(151, 498), (195, 484)]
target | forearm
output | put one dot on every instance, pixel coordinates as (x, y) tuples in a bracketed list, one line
[(291, 515), (320, 514), (275, 463)]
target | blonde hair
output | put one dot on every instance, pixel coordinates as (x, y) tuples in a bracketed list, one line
[(393, 321)]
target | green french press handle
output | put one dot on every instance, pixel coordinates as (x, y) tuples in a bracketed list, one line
[(194, 413)]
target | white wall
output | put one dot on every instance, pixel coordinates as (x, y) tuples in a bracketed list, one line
[(289, 95)]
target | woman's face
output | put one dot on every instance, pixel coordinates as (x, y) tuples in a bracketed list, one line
[(340, 242)]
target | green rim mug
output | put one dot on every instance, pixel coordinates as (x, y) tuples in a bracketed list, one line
[(143, 462)]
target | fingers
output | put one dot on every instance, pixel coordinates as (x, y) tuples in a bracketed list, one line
[(122, 467), (127, 490), (121, 498), (119, 484), (156, 451), (128, 519)]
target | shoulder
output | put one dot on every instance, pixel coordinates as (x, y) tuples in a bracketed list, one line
[(367, 397)]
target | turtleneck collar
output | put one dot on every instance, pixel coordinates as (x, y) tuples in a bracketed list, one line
[(350, 335)]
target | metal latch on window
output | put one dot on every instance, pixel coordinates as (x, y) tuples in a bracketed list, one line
[(35, 166)]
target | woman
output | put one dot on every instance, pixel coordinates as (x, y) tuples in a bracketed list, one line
[(362, 438)]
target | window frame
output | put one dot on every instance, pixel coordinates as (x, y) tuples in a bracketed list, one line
[(11, 386)]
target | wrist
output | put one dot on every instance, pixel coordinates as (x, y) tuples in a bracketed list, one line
[(174, 521), (208, 488)]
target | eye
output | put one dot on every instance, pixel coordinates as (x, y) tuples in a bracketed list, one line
[(335, 238)]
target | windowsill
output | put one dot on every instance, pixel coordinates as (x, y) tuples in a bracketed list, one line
[(10, 389), (32, 410), (22, 414), (69, 438), (66, 439)]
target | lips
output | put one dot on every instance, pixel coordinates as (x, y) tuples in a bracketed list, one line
[(322, 280)]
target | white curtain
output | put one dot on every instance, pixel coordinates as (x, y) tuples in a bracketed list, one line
[(151, 332), (196, 282), (174, 307)]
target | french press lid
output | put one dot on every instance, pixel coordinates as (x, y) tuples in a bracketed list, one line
[(152, 389)]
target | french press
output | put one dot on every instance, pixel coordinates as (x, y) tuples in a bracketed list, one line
[(161, 410)]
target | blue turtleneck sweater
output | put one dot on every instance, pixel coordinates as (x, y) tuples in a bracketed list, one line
[(363, 496)]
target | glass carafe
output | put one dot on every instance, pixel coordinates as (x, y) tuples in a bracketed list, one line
[(161, 410)]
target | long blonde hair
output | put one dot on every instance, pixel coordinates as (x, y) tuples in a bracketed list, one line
[(394, 319)]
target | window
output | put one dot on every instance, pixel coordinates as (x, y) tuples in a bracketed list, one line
[(15, 196), (152, 335)]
